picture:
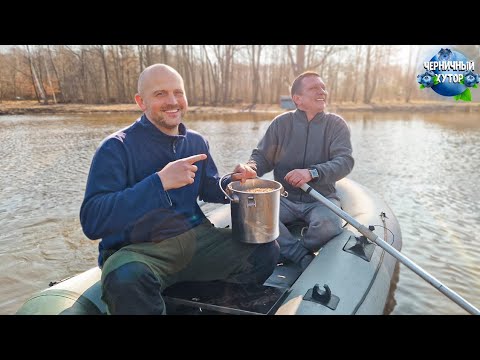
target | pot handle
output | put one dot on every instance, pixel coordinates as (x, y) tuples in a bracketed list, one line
[(220, 185)]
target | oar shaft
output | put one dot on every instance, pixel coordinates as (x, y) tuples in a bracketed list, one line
[(392, 251)]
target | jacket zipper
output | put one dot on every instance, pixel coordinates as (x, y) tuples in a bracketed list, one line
[(174, 148), (305, 154)]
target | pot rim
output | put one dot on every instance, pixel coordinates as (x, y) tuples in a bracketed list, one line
[(278, 184)]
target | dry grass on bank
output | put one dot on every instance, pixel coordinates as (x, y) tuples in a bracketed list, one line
[(33, 107)]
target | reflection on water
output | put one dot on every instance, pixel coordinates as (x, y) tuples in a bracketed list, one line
[(391, 300), (426, 167)]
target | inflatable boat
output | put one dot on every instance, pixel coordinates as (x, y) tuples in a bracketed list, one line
[(350, 275)]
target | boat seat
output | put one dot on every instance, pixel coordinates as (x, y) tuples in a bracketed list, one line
[(219, 297)]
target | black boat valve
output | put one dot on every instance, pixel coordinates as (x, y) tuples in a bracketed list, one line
[(323, 297)]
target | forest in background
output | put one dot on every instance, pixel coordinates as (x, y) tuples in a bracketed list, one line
[(217, 75)]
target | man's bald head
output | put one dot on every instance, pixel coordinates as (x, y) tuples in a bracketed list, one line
[(161, 96), (151, 72)]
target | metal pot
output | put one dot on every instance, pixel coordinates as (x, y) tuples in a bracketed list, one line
[(255, 215)]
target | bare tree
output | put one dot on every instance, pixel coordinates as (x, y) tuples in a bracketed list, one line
[(81, 59), (55, 73), (188, 66), (38, 86), (164, 54), (203, 75), (49, 80), (101, 51), (141, 56), (212, 78), (358, 54), (297, 63), (413, 57), (119, 69), (225, 58), (254, 52), (378, 56), (375, 56)]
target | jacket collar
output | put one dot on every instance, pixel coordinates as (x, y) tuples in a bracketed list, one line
[(303, 115)]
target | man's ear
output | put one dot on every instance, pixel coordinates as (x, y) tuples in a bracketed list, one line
[(139, 101), (296, 99)]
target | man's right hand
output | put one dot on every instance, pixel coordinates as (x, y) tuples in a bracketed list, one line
[(180, 172), (243, 172)]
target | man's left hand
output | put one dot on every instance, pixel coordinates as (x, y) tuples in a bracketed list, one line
[(298, 177)]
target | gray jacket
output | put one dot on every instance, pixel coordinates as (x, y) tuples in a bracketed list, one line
[(292, 142)]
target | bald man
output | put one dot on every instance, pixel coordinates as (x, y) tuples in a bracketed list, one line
[(141, 201)]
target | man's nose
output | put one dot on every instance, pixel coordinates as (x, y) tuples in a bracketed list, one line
[(171, 99)]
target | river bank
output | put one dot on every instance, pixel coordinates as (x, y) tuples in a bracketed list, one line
[(33, 107)]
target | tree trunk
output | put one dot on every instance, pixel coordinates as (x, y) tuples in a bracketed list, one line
[(255, 54), (55, 72), (300, 59), (366, 89), (358, 53), (164, 54), (140, 57), (377, 59), (105, 72), (119, 71), (202, 75), (297, 64), (50, 81), (410, 73), (39, 90)]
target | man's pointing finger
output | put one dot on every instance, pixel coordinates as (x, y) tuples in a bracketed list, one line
[(194, 158)]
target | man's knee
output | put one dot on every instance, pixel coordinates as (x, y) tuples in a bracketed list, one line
[(321, 233), (132, 289), (127, 275)]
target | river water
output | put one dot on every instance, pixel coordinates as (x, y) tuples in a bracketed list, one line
[(426, 167)]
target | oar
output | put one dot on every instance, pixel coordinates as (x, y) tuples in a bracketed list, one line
[(392, 251)]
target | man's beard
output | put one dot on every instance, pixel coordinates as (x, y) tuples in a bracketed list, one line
[(162, 121)]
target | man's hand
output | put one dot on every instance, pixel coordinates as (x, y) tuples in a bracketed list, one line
[(243, 172), (298, 177), (180, 172)]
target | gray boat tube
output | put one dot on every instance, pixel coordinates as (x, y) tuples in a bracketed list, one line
[(370, 235)]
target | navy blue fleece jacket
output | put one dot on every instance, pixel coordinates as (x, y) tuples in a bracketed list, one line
[(125, 201)]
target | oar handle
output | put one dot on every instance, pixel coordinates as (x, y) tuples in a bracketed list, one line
[(392, 251)]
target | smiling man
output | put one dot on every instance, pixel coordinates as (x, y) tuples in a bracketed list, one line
[(141, 201), (164, 108), (307, 145)]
